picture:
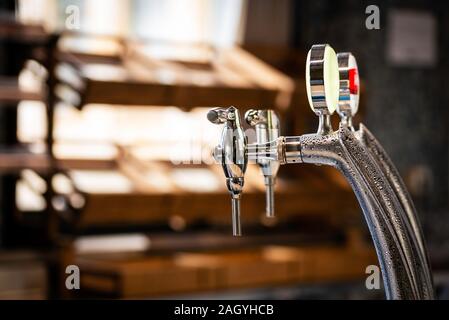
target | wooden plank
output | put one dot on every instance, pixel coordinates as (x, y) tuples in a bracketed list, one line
[(140, 79), (13, 161), (188, 96), (23, 275), (16, 161), (224, 270), (10, 91), (262, 73), (148, 203), (155, 276), (147, 208), (32, 34)]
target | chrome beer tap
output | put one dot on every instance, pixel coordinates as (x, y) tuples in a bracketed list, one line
[(266, 124), (231, 153), (405, 270)]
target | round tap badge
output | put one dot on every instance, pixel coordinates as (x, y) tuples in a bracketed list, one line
[(348, 102), (322, 79)]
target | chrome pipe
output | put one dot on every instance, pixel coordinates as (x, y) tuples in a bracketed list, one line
[(399, 189), (347, 107), (394, 246)]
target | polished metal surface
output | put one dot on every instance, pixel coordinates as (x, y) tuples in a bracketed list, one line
[(386, 205), (231, 153), (322, 84), (348, 100), (394, 246), (399, 189), (266, 124), (347, 108), (322, 79), (404, 270)]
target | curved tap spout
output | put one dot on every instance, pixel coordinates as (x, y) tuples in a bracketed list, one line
[(398, 259)]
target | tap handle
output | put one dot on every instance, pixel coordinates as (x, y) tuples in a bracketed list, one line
[(232, 154), (266, 123), (348, 102), (322, 84), (217, 115), (224, 115)]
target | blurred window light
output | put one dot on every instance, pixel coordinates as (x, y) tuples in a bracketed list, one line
[(106, 17), (44, 12), (216, 22), (112, 243), (95, 131), (98, 128), (27, 198)]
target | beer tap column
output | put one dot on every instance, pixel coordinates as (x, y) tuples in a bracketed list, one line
[(382, 196)]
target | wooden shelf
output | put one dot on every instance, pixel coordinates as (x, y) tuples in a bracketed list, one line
[(224, 270), (14, 159), (127, 193), (30, 34), (211, 77), (22, 276), (10, 91), (136, 193)]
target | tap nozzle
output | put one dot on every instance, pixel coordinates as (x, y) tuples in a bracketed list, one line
[(322, 84), (348, 100), (266, 124), (232, 154)]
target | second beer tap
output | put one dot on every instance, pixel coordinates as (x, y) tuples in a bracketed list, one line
[(266, 124)]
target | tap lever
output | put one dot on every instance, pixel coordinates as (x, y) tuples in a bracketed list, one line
[(232, 154), (221, 115)]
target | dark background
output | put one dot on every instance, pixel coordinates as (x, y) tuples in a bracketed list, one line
[(406, 107)]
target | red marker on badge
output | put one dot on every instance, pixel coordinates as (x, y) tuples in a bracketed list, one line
[(353, 81)]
